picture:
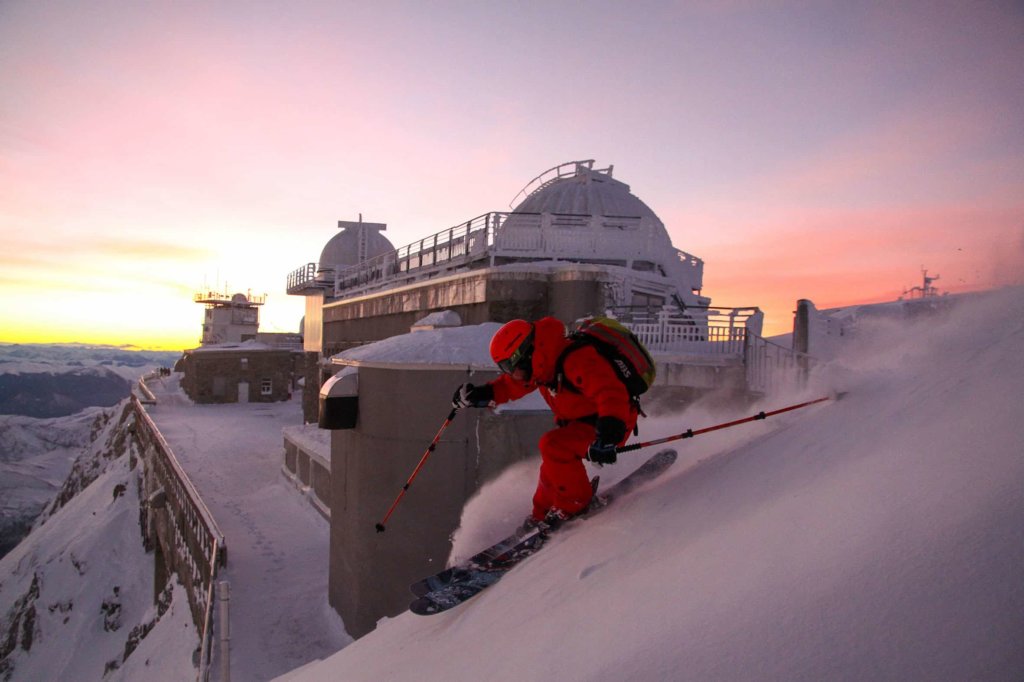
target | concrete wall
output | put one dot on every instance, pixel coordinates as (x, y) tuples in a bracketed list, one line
[(480, 296), (312, 380), (400, 412), (310, 473)]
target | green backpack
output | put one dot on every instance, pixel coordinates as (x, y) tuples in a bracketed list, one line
[(619, 346)]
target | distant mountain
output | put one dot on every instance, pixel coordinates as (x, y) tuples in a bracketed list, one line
[(36, 456), (54, 380)]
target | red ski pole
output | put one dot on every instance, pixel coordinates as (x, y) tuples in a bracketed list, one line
[(433, 444), (690, 433)]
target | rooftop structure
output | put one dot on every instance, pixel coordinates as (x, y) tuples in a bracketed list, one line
[(229, 318), (577, 243), (572, 213)]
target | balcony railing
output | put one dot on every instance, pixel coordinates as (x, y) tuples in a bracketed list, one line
[(196, 543), (509, 237), (718, 332)]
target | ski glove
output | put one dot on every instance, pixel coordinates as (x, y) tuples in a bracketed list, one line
[(468, 395), (610, 432)]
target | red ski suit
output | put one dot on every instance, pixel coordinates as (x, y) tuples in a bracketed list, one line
[(598, 393)]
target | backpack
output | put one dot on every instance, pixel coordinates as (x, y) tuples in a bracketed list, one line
[(619, 346)]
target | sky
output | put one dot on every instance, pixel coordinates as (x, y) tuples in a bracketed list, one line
[(826, 151)]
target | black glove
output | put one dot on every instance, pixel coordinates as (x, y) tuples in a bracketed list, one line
[(610, 431), (602, 453), (468, 395)]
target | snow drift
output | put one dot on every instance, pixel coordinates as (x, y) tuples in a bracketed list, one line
[(877, 537)]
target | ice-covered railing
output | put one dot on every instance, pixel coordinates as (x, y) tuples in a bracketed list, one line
[(771, 367), (562, 170), (702, 330), (721, 332), (509, 237), (196, 543)]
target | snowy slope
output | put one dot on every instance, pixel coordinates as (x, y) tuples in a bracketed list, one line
[(35, 457), (877, 537), (80, 587)]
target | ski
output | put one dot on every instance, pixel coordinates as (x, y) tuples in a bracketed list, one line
[(456, 584)]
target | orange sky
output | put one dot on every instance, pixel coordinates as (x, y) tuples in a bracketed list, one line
[(149, 150)]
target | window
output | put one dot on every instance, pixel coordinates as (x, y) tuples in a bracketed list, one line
[(266, 387), (245, 363)]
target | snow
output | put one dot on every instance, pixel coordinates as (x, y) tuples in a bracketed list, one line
[(880, 536), (448, 346), (442, 318), (249, 345), (277, 543)]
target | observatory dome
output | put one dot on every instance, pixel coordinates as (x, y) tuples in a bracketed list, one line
[(355, 243), (587, 192)]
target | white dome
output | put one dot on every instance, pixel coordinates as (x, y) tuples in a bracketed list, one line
[(587, 192), (589, 204), (345, 248)]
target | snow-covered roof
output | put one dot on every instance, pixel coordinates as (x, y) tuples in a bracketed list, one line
[(443, 348), (441, 318), (235, 346)]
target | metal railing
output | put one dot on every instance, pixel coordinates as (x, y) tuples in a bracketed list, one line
[(196, 543), (701, 330), (509, 236), (562, 170), (302, 278), (720, 332), (770, 367)]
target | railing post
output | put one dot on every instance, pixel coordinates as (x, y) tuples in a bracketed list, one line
[(224, 594)]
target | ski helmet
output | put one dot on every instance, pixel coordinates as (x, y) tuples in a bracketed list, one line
[(512, 347)]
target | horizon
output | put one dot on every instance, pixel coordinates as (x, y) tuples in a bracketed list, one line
[(148, 152), (169, 349)]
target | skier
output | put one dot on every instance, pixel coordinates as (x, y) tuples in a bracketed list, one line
[(593, 410)]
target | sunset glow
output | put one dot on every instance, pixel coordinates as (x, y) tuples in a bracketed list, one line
[(829, 152)]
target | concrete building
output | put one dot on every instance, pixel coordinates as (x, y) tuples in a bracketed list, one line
[(229, 319), (403, 386), (235, 361), (248, 372), (578, 243)]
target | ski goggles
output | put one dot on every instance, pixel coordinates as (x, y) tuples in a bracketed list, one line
[(520, 355)]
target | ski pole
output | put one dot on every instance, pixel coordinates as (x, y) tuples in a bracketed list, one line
[(430, 448), (690, 433)]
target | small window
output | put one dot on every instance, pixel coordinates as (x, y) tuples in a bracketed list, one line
[(245, 363), (266, 387)]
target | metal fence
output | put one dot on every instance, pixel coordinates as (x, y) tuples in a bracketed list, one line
[(704, 331), (196, 543), (771, 367), (718, 332), (499, 235)]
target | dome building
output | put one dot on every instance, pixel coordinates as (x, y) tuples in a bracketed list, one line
[(575, 213), (357, 243), (577, 243)]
